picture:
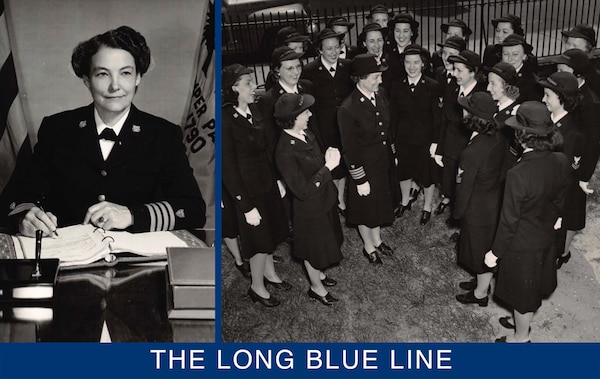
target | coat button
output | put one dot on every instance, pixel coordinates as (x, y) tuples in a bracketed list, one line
[(103, 173), (101, 197), (384, 142), (382, 133), (376, 113), (380, 123)]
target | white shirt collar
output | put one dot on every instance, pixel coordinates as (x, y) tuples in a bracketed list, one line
[(300, 135), (414, 81), (100, 125), (520, 67), (582, 82), (559, 116), (328, 65), (367, 94), (505, 104), (466, 91), (241, 111), (287, 88)]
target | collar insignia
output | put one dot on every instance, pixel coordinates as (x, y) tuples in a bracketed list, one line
[(136, 129), (82, 124)]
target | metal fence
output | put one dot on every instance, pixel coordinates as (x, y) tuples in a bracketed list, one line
[(249, 38)]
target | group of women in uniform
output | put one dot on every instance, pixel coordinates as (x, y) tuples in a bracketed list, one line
[(512, 155)]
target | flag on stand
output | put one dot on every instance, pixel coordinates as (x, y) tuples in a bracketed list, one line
[(14, 142), (199, 123)]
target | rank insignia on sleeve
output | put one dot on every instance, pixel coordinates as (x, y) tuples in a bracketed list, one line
[(180, 213), (136, 129), (82, 124)]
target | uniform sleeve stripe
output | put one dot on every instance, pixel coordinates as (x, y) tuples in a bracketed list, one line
[(166, 216), (171, 213), (358, 173), (152, 212)]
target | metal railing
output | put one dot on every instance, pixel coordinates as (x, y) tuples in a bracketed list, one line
[(250, 39)]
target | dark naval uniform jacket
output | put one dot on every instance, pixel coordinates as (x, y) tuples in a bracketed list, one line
[(513, 147), (302, 166), (147, 171), (329, 93), (590, 128)]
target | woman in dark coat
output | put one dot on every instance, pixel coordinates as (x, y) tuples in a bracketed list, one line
[(248, 175), (517, 52), (533, 203), (416, 117), (230, 232), (502, 85), (317, 231), (478, 194), (364, 125), (563, 98)]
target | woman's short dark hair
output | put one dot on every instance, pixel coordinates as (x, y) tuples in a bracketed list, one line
[(550, 141), (480, 125), (124, 38), (570, 102), (229, 95), (512, 92), (285, 123)]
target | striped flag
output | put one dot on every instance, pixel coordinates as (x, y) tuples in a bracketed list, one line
[(199, 123), (14, 142)]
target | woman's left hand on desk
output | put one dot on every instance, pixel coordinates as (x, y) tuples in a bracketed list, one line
[(107, 215)]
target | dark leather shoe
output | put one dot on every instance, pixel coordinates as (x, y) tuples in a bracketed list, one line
[(469, 298), (384, 249), (277, 258), (468, 286), (505, 322), (244, 268), (325, 300), (425, 217), (441, 208), (267, 302), (503, 339), (562, 260), (401, 209), (373, 257), (280, 286), (328, 282)]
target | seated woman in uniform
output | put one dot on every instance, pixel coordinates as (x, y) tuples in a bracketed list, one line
[(109, 163)]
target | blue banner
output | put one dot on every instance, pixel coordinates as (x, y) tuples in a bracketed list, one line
[(465, 360)]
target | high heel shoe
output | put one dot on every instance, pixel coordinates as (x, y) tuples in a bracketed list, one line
[(469, 298), (328, 282), (244, 268), (373, 257), (283, 285), (384, 249), (401, 209), (425, 217), (441, 208), (268, 302), (562, 260), (325, 300)]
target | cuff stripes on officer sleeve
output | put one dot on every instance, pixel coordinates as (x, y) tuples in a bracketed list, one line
[(357, 173), (162, 216)]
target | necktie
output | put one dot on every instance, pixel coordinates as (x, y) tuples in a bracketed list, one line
[(373, 101), (108, 134), (332, 71), (342, 52), (249, 117), (448, 77), (412, 87), (461, 94)]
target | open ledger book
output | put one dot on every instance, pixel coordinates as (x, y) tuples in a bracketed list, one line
[(82, 245)]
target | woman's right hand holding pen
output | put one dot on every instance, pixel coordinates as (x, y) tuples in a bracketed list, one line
[(37, 219)]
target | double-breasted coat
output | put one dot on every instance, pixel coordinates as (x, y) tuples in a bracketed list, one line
[(302, 166), (478, 197), (147, 171), (367, 151), (249, 177), (415, 119), (329, 92), (533, 200)]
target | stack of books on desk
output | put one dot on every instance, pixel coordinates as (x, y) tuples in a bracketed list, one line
[(191, 283)]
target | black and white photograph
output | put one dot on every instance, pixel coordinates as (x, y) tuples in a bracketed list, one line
[(410, 171), (107, 167)]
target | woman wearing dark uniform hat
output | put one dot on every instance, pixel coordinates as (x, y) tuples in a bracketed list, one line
[(453, 28), (583, 37), (517, 52), (249, 177), (502, 85), (372, 38), (563, 99), (308, 175), (331, 81), (478, 194), (403, 30), (343, 26), (364, 125), (533, 202), (416, 118), (452, 46), (286, 37), (379, 14), (454, 136)]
